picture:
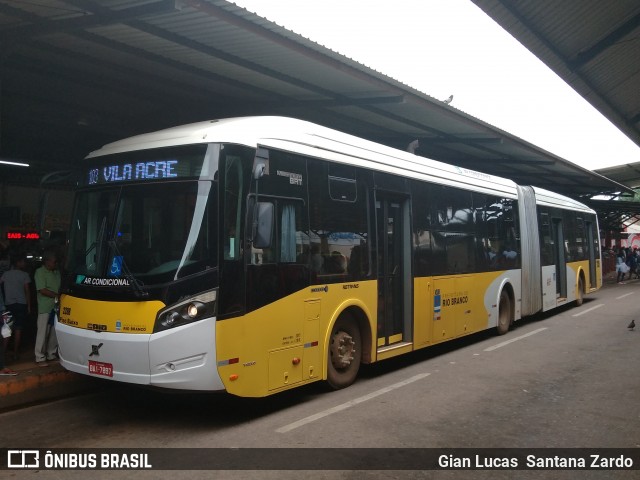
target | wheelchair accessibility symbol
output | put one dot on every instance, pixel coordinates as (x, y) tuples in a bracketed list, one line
[(116, 267)]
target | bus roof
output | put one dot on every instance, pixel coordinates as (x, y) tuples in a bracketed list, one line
[(552, 199), (307, 138)]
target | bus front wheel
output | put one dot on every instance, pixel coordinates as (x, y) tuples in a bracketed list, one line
[(345, 353), (504, 313)]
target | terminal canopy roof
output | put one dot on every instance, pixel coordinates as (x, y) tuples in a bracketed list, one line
[(77, 74), (614, 214)]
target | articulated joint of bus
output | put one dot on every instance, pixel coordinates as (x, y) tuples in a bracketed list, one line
[(198, 307)]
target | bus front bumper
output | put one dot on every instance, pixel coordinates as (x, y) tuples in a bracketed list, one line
[(179, 358)]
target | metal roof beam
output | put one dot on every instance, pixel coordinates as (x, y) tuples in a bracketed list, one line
[(635, 220), (528, 161), (589, 54), (74, 74), (85, 19), (466, 141), (175, 64), (353, 102)]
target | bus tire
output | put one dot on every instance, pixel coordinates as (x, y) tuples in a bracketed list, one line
[(344, 353), (504, 313), (580, 292)]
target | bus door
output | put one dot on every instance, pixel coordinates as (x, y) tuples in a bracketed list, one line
[(591, 254), (560, 258), (394, 270)]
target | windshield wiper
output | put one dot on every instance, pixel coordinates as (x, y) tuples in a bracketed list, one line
[(136, 285), (98, 240)]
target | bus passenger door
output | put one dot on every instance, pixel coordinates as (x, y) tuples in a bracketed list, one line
[(394, 270), (560, 259), (591, 254)]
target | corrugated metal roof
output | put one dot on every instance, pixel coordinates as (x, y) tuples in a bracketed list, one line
[(628, 174), (77, 74)]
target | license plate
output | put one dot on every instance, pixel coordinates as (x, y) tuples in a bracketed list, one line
[(101, 368)]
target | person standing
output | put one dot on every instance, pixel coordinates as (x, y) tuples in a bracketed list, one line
[(632, 262), (621, 265), (47, 279), (4, 266), (17, 292), (4, 316)]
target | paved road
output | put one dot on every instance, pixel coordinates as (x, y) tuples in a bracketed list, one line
[(556, 381)]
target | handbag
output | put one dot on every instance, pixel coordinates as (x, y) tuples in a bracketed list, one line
[(7, 323)]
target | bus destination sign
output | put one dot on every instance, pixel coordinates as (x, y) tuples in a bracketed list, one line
[(139, 171)]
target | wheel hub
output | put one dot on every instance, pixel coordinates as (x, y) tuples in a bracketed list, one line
[(342, 350)]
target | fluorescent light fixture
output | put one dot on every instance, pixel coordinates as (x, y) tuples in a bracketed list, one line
[(15, 164)]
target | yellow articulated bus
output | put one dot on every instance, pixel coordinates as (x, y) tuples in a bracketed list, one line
[(257, 254)]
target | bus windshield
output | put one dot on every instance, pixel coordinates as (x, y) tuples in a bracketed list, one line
[(148, 232)]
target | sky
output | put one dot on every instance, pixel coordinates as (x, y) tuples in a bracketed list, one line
[(451, 47)]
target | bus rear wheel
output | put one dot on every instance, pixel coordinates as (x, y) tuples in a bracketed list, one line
[(580, 293), (504, 313), (345, 353)]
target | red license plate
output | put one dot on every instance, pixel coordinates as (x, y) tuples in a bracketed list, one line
[(101, 368)]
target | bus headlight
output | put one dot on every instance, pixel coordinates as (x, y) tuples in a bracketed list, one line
[(171, 318), (193, 309)]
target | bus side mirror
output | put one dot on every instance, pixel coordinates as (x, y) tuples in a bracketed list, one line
[(261, 163), (263, 225), (259, 170)]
